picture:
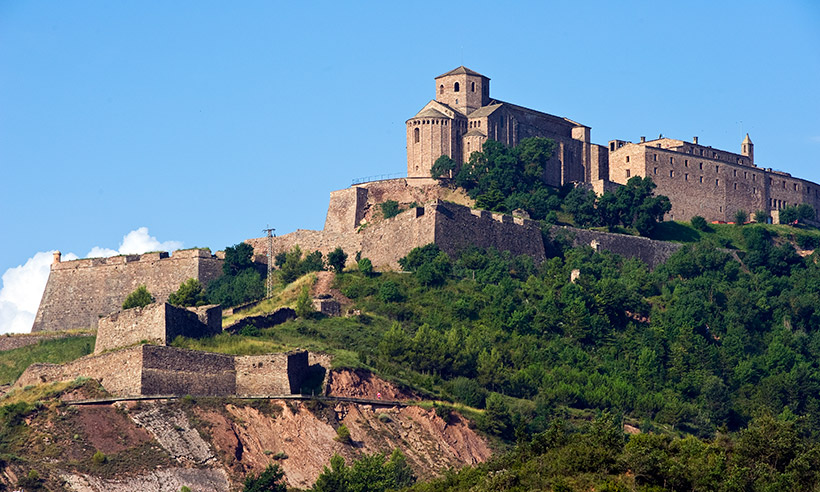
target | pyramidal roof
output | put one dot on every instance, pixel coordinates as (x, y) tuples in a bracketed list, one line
[(747, 139), (461, 70)]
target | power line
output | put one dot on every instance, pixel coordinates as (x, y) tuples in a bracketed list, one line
[(269, 279)]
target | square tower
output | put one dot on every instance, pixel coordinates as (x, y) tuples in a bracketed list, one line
[(463, 90)]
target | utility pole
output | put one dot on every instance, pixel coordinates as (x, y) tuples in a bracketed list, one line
[(269, 280)]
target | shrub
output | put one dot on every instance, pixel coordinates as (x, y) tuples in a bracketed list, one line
[(389, 292), (31, 481), (365, 266), (184, 489), (99, 458), (807, 242), (337, 259), (699, 223), (390, 208), (270, 480), (237, 258), (343, 435), (761, 216), (250, 331), (139, 298)]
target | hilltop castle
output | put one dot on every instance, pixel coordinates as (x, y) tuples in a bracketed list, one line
[(698, 180)]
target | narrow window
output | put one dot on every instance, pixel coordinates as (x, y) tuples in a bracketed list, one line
[(655, 156), (700, 164), (735, 185), (416, 135), (754, 191), (734, 171), (656, 170), (468, 148), (611, 145), (627, 173), (472, 86), (717, 169), (745, 175), (671, 174), (701, 179), (686, 163), (671, 160), (455, 87), (627, 158), (686, 177), (717, 182), (753, 178), (441, 89), (795, 187)]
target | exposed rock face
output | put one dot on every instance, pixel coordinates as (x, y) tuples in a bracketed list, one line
[(170, 480), (171, 428)]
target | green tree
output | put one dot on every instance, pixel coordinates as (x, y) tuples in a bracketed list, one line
[(761, 217), (230, 290), (443, 167), (805, 212), (304, 304), (699, 223), (270, 480), (337, 259), (190, 293), (237, 258), (370, 473), (140, 297), (740, 217)]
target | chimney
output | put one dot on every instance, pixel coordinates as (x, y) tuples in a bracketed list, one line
[(57, 256), (694, 140), (643, 139)]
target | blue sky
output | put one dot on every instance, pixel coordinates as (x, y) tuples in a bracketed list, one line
[(206, 121)]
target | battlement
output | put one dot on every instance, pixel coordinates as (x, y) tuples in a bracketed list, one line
[(79, 292)]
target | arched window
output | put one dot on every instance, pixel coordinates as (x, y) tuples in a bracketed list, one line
[(455, 87), (441, 89), (472, 86), (416, 136)]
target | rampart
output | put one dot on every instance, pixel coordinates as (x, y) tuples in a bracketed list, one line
[(15, 341), (145, 370), (81, 291), (158, 323), (651, 252), (453, 227)]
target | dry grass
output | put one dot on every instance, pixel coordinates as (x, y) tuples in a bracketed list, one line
[(286, 297)]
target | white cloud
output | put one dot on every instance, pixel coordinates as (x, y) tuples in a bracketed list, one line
[(23, 285)]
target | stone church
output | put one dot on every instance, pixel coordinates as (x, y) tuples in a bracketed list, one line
[(463, 116)]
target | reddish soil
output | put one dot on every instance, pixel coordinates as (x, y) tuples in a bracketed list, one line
[(109, 430), (362, 384)]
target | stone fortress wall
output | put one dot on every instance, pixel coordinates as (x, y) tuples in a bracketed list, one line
[(146, 370), (79, 292), (157, 323)]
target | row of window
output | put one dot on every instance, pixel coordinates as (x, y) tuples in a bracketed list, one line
[(456, 87)]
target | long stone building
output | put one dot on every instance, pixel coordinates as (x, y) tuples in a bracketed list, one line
[(709, 182)]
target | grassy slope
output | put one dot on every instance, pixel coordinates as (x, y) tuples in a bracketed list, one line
[(14, 362)]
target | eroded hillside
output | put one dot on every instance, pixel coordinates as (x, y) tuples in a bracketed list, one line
[(210, 444)]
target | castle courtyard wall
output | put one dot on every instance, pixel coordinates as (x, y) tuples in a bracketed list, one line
[(81, 291), (650, 251)]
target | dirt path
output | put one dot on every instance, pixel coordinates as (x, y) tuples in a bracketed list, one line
[(323, 282)]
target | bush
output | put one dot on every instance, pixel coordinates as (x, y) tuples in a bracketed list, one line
[(806, 241), (389, 292), (189, 294), (365, 266), (139, 298), (467, 391), (390, 208), (99, 458), (699, 223), (762, 217), (343, 435), (337, 259), (237, 258), (270, 480), (230, 290)]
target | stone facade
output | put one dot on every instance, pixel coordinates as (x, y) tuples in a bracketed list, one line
[(258, 375), (79, 292), (157, 323), (709, 182), (463, 116), (453, 227), (148, 370)]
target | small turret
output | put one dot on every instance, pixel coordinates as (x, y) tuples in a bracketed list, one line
[(747, 148), (57, 257)]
